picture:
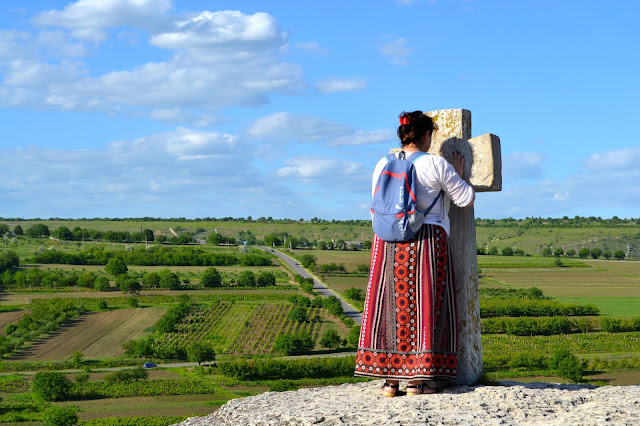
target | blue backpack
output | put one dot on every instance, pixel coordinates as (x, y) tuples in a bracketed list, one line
[(395, 214)]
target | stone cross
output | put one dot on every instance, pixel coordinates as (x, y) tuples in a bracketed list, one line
[(483, 171)]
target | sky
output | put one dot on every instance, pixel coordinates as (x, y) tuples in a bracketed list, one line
[(187, 108)]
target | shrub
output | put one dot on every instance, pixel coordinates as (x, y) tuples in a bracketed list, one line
[(507, 251), (247, 279), (298, 314), (101, 284), (330, 339), (211, 278), (294, 344), (60, 416), (51, 386), (355, 294), (306, 260), (566, 365), (354, 335), (116, 266), (583, 253), (265, 279), (127, 375), (283, 386)]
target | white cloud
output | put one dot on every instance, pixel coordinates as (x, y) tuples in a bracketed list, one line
[(320, 168), (365, 137), (284, 126), (522, 165), (231, 29), (616, 159), (561, 196), (220, 59), (87, 19), (396, 51), (333, 84)]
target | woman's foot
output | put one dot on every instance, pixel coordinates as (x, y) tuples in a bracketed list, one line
[(390, 389), (419, 389)]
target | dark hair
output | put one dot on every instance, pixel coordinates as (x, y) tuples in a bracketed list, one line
[(417, 125)]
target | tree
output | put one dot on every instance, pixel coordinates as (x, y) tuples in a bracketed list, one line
[(293, 344), (570, 252), (607, 254), (101, 284), (185, 239), (247, 279), (595, 252), (493, 250), (507, 251), (619, 254), (60, 416), (265, 279), (151, 279), (147, 235), (211, 278), (566, 364), (169, 280), (51, 386), (546, 252), (18, 230), (38, 231), (354, 336), (583, 253), (330, 339), (355, 293), (216, 239), (8, 261), (298, 314), (63, 233), (306, 260), (129, 284), (200, 352), (558, 252), (116, 266)]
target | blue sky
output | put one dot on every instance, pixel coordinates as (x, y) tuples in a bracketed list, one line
[(185, 108)]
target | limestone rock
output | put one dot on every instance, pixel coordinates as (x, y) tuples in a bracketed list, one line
[(362, 404)]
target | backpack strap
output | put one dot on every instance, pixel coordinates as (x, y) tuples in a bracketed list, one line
[(426, 212), (416, 156)]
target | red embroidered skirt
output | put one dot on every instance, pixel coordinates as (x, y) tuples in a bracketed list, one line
[(409, 319)]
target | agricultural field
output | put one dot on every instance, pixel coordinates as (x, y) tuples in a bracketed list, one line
[(243, 322), (97, 335)]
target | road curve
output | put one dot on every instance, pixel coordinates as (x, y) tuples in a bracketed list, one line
[(320, 287)]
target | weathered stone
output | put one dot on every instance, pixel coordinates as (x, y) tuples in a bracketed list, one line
[(362, 404)]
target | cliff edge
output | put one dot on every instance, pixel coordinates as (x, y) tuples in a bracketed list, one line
[(513, 403)]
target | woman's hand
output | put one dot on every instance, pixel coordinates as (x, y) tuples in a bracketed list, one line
[(457, 161)]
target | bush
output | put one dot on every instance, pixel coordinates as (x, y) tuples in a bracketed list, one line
[(566, 365), (507, 251), (101, 284), (355, 294), (283, 386), (116, 266), (127, 375), (294, 344), (247, 279), (306, 260), (330, 339), (51, 386), (298, 314), (211, 277), (60, 416), (266, 279), (354, 336)]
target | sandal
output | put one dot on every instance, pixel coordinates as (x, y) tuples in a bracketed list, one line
[(390, 393), (419, 389)]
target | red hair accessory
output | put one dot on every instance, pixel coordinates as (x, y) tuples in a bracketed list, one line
[(404, 120)]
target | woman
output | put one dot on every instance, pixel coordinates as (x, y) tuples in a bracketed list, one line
[(409, 319)]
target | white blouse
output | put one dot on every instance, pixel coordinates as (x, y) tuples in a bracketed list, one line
[(434, 173)]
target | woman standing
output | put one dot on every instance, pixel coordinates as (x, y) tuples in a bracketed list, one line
[(409, 320)]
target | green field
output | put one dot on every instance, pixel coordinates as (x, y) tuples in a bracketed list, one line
[(244, 322)]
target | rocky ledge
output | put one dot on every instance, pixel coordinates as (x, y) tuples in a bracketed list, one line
[(362, 404)]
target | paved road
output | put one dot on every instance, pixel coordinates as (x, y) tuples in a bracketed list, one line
[(320, 287)]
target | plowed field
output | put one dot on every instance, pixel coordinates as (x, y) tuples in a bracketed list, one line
[(9, 317), (97, 335)]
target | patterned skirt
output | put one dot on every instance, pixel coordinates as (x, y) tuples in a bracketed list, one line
[(409, 319)]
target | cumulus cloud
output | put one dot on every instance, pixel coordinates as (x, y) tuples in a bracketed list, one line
[(616, 159), (320, 168), (88, 19), (396, 51), (523, 165), (284, 126), (333, 84), (217, 60)]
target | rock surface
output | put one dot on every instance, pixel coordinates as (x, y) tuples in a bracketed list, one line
[(362, 404)]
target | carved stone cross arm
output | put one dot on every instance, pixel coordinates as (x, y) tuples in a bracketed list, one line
[(483, 162)]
